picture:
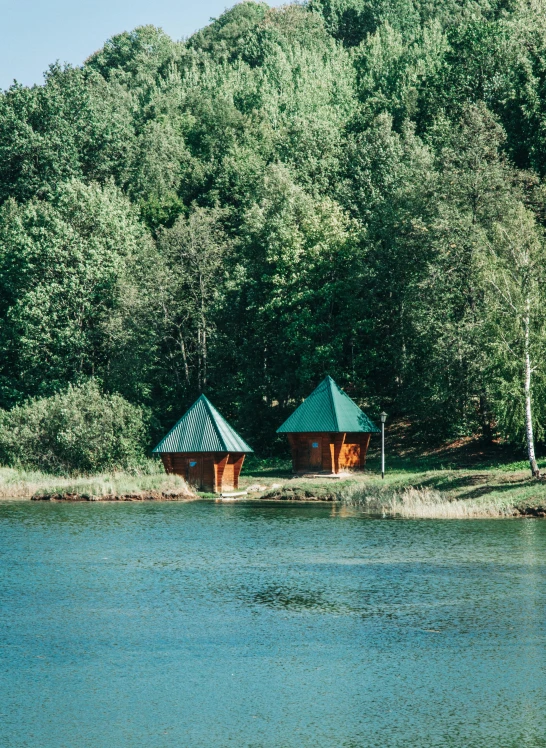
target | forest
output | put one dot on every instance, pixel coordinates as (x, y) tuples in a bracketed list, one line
[(343, 187)]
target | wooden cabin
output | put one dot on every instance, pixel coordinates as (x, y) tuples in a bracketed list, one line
[(328, 432), (204, 449)]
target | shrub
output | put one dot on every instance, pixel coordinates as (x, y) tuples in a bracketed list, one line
[(80, 430)]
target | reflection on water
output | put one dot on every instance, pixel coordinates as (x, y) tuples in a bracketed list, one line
[(266, 626), (293, 599)]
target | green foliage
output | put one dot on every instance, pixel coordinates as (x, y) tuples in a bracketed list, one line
[(75, 126), (78, 430), (65, 265), (317, 188), (228, 36), (133, 57), (351, 21), (193, 251)]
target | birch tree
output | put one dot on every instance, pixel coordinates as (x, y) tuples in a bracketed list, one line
[(194, 249), (514, 273)]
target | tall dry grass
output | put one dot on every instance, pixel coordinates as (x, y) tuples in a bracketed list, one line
[(23, 484), (427, 504)]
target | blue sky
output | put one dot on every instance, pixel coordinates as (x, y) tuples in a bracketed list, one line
[(38, 32)]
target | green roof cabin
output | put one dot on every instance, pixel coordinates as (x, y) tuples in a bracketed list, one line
[(328, 432), (204, 449)]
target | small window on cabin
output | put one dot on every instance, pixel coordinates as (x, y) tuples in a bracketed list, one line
[(193, 463), (315, 445)]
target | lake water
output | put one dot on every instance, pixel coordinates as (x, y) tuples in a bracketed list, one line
[(247, 625)]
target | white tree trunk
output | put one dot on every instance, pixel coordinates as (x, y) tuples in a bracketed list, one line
[(185, 359), (528, 404)]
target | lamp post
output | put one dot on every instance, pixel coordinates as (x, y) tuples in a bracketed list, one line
[(383, 417)]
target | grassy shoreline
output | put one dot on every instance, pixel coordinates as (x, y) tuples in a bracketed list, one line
[(416, 488), (412, 488)]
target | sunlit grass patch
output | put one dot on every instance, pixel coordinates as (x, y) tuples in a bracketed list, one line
[(422, 491), (428, 503), (23, 484)]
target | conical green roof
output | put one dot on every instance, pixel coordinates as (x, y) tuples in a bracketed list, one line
[(202, 429), (328, 408)]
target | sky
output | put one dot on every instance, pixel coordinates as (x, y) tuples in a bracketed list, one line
[(39, 32)]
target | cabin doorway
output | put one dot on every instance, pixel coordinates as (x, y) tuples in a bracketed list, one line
[(194, 472), (315, 453)]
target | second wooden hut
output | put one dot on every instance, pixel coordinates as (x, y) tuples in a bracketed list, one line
[(328, 432)]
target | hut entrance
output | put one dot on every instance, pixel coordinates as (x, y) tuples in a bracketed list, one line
[(194, 471), (315, 453)]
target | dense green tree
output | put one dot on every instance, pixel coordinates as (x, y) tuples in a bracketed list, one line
[(135, 58), (393, 181), (75, 126), (473, 190), (78, 430), (228, 37), (351, 21), (292, 297), (64, 265), (195, 251)]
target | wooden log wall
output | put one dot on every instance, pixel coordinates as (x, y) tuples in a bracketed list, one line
[(207, 471), (339, 451)]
